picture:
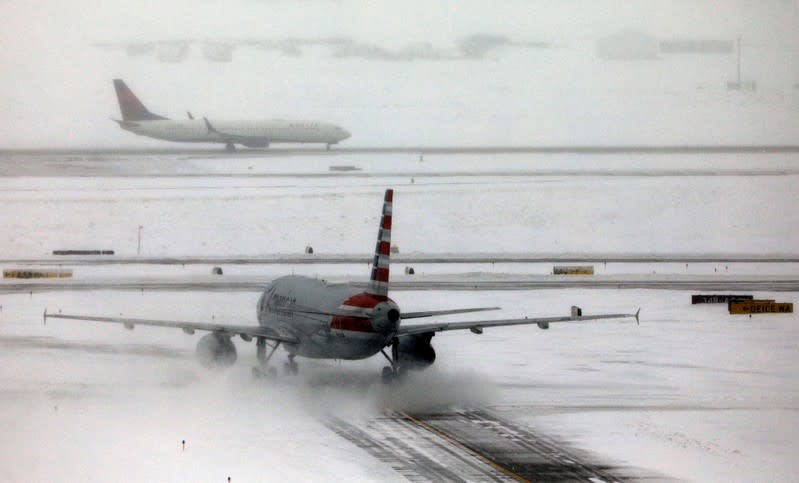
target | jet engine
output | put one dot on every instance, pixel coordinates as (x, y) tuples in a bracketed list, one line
[(216, 350), (415, 351), (257, 144)]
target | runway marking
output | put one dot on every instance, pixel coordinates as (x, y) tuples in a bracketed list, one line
[(472, 445), (479, 456), (416, 454), (534, 457)]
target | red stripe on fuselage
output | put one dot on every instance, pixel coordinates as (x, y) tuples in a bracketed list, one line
[(355, 324), (364, 300)]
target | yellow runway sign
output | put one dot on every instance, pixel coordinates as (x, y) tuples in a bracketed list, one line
[(20, 273), (760, 307)]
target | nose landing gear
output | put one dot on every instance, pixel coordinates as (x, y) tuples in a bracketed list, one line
[(263, 359)]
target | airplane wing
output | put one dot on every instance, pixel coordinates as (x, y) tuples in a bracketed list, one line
[(432, 313), (246, 332), (477, 326), (234, 138)]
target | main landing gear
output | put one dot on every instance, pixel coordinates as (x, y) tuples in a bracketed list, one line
[(394, 372), (230, 147)]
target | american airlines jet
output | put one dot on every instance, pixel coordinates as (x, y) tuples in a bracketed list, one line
[(315, 319), (253, 134)]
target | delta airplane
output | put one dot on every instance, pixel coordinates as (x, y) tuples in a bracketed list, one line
[(315, 319), (253, 134)]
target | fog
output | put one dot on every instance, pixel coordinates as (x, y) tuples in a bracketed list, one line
[(400, 73), (688, 392)]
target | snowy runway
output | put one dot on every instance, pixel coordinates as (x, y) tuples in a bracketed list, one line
[(691, 393)]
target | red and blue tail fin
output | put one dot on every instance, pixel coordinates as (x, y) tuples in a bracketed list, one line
[(378, 282), (130, 105)]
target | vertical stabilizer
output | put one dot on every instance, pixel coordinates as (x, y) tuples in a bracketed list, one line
[(130, 105), (378, 282)]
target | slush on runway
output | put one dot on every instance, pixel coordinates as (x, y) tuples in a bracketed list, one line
[(603, 400)]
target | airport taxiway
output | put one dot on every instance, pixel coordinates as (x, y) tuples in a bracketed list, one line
[(692, 392), (481, 282), (344, 258), (473, 445)]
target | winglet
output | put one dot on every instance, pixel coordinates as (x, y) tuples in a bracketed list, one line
[(638, 322), (211, 129)]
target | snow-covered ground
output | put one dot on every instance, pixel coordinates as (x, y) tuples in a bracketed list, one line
[(692, 392), (207, 216)]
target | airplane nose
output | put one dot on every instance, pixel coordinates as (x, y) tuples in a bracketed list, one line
[(344, 134)]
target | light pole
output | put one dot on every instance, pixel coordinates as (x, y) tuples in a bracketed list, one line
[(138, 243)]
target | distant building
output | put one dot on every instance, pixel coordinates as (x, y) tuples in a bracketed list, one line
[(218, 52), (172, 52)]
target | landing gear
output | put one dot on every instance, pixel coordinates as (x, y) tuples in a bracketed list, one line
[(394, 372), (263, 359), (230, 147), (328, 146), (290, 367)]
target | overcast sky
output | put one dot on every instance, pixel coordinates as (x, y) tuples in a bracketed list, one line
[(399, 73)]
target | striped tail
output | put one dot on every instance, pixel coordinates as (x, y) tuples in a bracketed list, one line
[(378, 282)]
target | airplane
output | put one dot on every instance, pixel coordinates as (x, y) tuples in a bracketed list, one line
[(253, 134), (316, 319)]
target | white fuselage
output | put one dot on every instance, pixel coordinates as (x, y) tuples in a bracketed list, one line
[(249, 133), (325, 336)]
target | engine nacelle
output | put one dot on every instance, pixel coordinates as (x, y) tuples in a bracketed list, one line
[(216, 350), (257, 144), (416, 352)]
